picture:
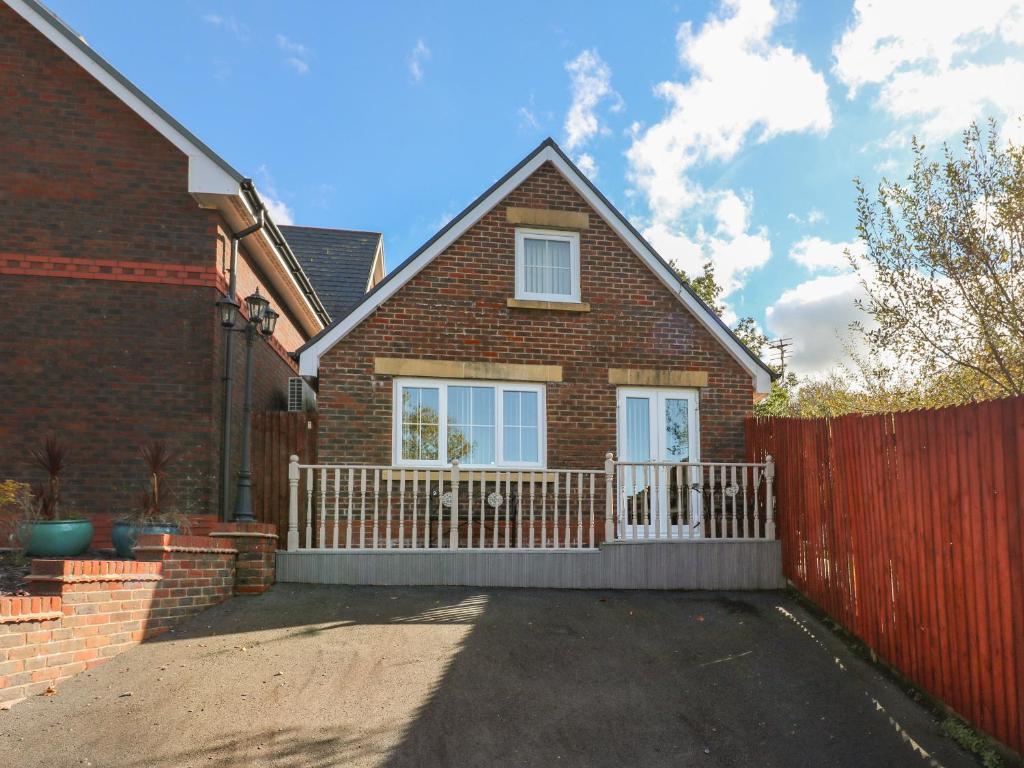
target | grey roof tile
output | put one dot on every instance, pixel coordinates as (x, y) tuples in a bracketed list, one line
[(337, 262)]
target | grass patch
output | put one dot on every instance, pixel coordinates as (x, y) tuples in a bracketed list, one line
[(971, 741)]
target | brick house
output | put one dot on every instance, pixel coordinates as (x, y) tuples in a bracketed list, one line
[(537, 330), (119, 229)]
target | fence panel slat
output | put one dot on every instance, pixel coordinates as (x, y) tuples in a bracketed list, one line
[(908, 529)]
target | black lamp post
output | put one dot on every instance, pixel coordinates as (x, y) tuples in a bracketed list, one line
[(261, 320)]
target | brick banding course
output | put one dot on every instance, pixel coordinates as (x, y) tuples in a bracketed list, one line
[(83, 612)]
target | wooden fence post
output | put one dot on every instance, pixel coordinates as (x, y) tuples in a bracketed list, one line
[(293, 503), (609, 492), (769, 504), (453, 534)]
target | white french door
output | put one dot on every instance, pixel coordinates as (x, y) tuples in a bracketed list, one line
[(657, 425)]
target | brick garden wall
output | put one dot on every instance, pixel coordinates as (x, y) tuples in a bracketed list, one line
[(83, 612), (455, 309)]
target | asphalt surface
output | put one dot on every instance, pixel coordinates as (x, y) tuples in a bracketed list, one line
[(362, 676)]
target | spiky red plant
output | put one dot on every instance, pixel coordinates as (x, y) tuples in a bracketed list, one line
[(51, 458), (157, 459)]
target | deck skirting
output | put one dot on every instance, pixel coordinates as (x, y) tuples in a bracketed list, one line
[(703, 564)]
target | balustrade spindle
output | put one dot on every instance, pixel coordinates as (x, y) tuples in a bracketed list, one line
[(590, 539), (387, 513), (323, 509), (415, 507), (508, 507), (351, 512), (533, 483), (519, 511), (337, 502), (401, 510), (579, 510), (309, 508), (554, 504), (544, 510)]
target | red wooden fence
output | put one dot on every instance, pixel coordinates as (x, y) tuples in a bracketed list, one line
[(908, 529), (276, 435)]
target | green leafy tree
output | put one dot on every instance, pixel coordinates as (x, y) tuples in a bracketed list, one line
[(944, 270)]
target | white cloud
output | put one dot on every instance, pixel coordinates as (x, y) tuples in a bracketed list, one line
[(586, 163), (820, 255), (420, 53), (729, 245), (742, 87), (279, 211), (527, 119), (937, 64), (591, 83), (297, 55), (817, 315), (813, 216), (229, 23)]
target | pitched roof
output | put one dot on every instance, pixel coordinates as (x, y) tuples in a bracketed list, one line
[(339, 263), (547, 151)]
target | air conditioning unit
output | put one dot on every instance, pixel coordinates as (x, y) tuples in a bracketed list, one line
[(301, 396)]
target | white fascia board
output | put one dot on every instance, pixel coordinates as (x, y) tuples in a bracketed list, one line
[(205, 175), (309, 360)]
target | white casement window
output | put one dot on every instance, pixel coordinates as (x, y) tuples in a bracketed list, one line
[(482, 424), (547, 265)]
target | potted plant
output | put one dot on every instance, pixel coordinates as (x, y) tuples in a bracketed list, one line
[(44, 532), (154, 512)]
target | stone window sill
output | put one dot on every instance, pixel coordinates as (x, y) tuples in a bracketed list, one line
[(557, 306)]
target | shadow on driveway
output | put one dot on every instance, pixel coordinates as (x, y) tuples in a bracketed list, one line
[(362, 676)]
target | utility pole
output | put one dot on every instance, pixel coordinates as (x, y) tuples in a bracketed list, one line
[(780, 346)]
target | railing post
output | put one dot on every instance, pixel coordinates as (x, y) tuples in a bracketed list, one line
[(609, 496), (293, 503), (453, 534), (769, 504)]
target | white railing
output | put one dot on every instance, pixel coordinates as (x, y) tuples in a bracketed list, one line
[(658, 501), (354, 506)]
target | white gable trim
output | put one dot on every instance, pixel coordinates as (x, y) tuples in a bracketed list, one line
[(309, 360), (207, 173)]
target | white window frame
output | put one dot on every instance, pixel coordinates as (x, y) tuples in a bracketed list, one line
[(573, 238), (442, 385)]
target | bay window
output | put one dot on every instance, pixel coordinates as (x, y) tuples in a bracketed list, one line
[(482, 424)]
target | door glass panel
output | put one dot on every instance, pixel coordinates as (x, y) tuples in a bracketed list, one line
[(677, 429), (637, 448), (638, 429)]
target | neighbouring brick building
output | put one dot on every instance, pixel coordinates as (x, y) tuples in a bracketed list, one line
[(117, 240), (538, 329)]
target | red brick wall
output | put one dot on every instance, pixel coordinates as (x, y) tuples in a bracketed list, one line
[(109, 271), (455, 309), (83, 612)]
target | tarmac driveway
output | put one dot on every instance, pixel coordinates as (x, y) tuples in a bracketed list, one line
[(361, 676)]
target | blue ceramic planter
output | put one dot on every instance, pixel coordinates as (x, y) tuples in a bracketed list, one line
[(124, 535), (56, 538)]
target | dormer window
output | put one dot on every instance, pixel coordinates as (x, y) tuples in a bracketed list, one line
[(547, 265)]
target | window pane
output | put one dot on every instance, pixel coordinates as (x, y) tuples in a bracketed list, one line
[(471, 418), (530, 444), (520, 426), (547, 266), (419, 423), (511, 445)]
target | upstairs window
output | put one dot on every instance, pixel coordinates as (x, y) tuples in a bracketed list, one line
[(547, 265)]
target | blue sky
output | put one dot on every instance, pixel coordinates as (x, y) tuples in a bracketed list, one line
[(726, 131)]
